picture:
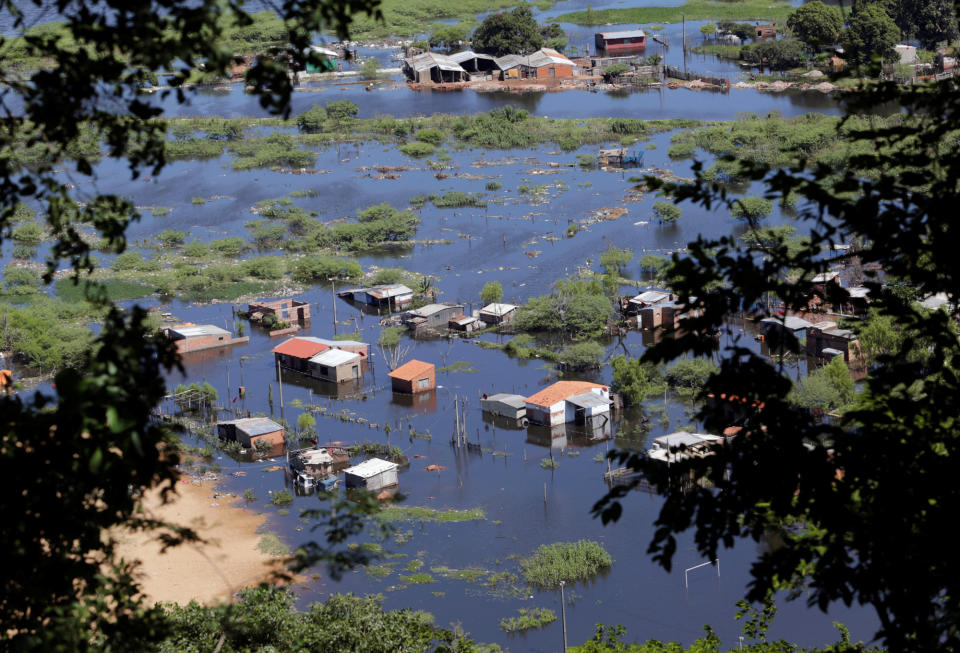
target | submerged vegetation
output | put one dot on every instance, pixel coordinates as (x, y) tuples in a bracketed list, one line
[(400, 514), (564, 561), (528, 619)]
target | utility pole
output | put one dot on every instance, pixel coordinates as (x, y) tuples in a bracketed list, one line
[(280, 383), (333, 292), (563, 617)]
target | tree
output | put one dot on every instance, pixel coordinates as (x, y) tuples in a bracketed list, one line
[(815, 23), (826, 389), (554, 37), (449, 37), (707, 30), (63, 586), (513, 32), (492, 292), (775, 54), (634, 379), (929, 21), (751, 209), (306, 423), (341, 110), (871, 32), (392, 347), (582, 355), (859, 505), (667, 212)]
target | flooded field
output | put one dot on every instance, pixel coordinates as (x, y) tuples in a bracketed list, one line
[(467, 572)]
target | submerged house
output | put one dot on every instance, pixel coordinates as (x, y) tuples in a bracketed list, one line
[(414, 376), (622, 42), (464, 323), (681, 445), (337, 361), (198, 337), (391, 296), (569, 401), (504, 404), (825, 340), (250, 431), (776, 329), (431, 317), (318, 462), (498, 313), (284, 310), (436, 68), (373, 474), (765, 31), (649, 297)]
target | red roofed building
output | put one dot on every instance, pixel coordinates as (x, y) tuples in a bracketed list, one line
[(295, 353), (414, 376), (569, 401)]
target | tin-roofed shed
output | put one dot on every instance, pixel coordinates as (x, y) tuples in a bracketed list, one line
[(250, 431), (373, 474), (505, 405), (198, 337), (620, 43), (476, 63), (336, 366), (498, 313), (433, 67)]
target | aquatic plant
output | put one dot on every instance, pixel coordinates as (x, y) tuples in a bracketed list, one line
[(273, 545), (549, 463), (282, 498), (417, 579), (399, 514), (528, 619), (564, 561)]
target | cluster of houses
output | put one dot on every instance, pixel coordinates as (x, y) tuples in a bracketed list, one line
[(564, 402), (336, 361)]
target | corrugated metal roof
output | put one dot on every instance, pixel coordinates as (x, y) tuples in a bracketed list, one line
[(300, 348), (498, 309), (546, 57), (651, 297), (333, 344), (824, 277), (254, 426), (430, 309), (467, 55), (559, 391), (463, 320), (316, 457), (790, 322), (411, 370), (429, 60), (508, 61), (334, 357), (199, 330), (678, 439), (514, 401), (589, 400), (370, 468), (388, 290), (624, 34)]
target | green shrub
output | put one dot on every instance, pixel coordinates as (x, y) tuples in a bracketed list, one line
[(198, 200), (232, 246), (582, 355), (627, 126), (388, 275), (528, 619), (667, 211), (614, 71), (321, 268), (21, 281), (127, 261), (282, 498), (418, 149), (751, 208), (264, 267), (27, 233), (691, 373), (456, 199), (170, 238), (432, 136), (196, 249), (494, 185), (586, 160), (564, 561), (312, 119)]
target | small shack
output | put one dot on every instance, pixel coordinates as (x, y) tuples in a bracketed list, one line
[(825, 339), (509, 66), (336, 366), (766, 31), (431, 317), (477, 64), (391, 296), (284, 310), (373, 474), (464, 323), (318, 462), (432, 67), (681, 445), (503, 404), (618, 43), (498, 313), (546, 63), (193, 337), (414, 376), (619, 157), (776, 328), (250, 431)]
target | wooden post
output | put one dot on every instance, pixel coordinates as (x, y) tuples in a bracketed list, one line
[(280, 383), (333, 291)]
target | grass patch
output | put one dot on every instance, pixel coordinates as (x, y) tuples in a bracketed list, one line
[(741, 10), (282, 498), (469, 575), (378, 571), (413, 565), (528, 619), (549, 463), (273, 545), (117, 290), (564, 561), (418, 579), (459, 366), (400, 514)]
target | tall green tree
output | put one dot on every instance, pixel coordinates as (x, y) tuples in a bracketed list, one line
[(815, 23), (859, 505), (82, 457), (871, 32), (512, 32)]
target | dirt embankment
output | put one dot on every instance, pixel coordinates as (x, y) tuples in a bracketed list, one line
[(226, 561)]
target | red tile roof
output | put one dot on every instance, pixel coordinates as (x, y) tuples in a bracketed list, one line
[(411, 370), (299, 348), (561, 390)]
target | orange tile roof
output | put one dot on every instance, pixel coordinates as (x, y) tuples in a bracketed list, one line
[(561, 390), (299, 348), (411, 370)]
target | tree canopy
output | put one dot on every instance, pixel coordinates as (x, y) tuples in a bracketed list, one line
[(815, 23), (512, 32), (871, 32)]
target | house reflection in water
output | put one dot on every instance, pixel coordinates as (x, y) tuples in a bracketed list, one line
[(422, 402), (352, 389), (561, 436)]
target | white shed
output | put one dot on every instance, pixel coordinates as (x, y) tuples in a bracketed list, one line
[(374, 474)]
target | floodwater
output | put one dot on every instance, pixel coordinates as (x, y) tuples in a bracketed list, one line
[(520, 240)]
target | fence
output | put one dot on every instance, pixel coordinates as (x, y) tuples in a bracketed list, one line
[(675, 73)]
